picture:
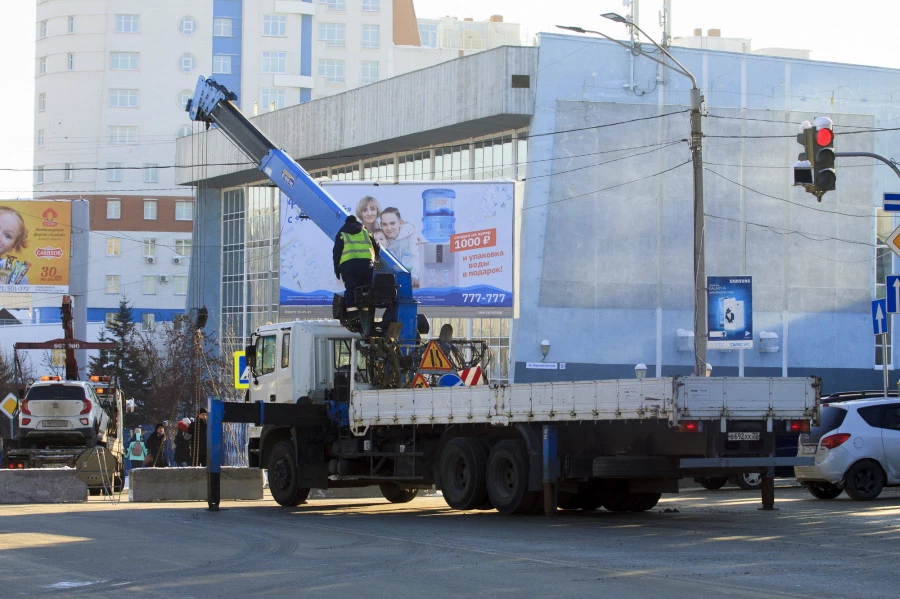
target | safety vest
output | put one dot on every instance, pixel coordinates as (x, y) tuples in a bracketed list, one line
[(357, 246)]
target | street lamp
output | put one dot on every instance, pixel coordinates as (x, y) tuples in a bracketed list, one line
[(697, 159)]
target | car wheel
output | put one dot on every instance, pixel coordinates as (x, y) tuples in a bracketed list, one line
[(712, 483), (864, 481), (823, 490), (749, 481)]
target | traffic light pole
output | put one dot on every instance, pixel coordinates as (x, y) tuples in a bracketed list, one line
[(887, 161)]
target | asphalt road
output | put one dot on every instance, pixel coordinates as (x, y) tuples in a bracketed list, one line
[(696, 544)]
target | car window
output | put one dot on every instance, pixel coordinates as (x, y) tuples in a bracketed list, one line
[(873, 415), (55, 392), (830, 418), (892, 417)]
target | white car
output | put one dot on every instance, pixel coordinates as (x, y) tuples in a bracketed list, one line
[(57, 412), (856, 449)]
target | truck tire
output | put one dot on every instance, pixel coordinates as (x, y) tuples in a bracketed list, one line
[(641, 502), (284, 477), (461, 468), (397, 494), (712, 483), (588, 497), (618, 501), (507, 478), (823, 490)]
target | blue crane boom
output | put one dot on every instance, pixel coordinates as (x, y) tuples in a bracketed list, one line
[(213, 103)]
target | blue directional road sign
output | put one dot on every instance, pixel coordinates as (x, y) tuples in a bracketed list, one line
[(891, 202), (879, 317), (892, 290)]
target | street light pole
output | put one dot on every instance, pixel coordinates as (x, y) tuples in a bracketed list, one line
[(696, 146)]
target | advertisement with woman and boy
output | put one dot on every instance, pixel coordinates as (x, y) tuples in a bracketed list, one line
[(34, 246), (455, 238)]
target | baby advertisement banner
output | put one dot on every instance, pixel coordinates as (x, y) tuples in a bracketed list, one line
[(34, 246), (456, 239)]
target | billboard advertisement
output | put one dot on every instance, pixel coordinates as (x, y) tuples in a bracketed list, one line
[(35, 241), (729, 302), (456, 239)]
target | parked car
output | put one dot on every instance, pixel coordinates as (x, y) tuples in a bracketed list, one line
[(61, 413), (785, 446), (856, 447)]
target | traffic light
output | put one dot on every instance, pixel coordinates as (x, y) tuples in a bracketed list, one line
[(823, 164), (803, 168)]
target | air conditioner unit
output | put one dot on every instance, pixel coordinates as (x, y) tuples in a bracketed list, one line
[(176, 260), (150, 259), (163, 278)]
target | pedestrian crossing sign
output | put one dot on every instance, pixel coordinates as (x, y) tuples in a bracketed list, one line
[(434, 359), (241, 372)]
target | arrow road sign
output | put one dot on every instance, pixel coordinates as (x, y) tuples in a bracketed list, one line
[(891, 202), (879, 316), (892, 287)]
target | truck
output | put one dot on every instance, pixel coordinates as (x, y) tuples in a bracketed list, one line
[(342, 403), (65, 422)]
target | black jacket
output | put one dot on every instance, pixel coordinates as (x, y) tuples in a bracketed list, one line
[(182, 448), (196, 436), (352, 227), (155, 448)]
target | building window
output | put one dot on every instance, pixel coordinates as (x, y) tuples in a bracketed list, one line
[(428, 35), (148, 284), (42, 29), (70, 62), (370, 35), (112, 286), (113, 209), (371, 5), (184, 98), (149, 210), (123, 61), (332, 34), (123, 98), (68, 172), (184, 210), (187, 25), (379, 170), (40, 138), (183, 131), (187, 63), (333, 4), (274, 62), (368, 71), (275, 25), (128, 23), (111, 317), (151, 173), (331, 70), (113, 247), (113, 172), (148, 321), (39, 175), (42, 102), (183, 247), (150, 248), (414, 167), (42, 66), (122, 134), (71, 27), (222, 27), (272, 99), (221, 64), (180, 285)]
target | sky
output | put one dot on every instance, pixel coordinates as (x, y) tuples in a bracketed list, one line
[(831, 29)]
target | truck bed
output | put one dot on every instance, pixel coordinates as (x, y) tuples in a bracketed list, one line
[(668, 398)]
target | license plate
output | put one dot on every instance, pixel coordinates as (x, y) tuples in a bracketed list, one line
[(807, 449), (55, 424), (743, 436)]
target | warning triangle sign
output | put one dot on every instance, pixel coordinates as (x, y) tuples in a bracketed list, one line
[(434, 359), (418, 382)]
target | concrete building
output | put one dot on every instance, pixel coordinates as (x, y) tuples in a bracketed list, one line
[(112, 81), (605, 215)]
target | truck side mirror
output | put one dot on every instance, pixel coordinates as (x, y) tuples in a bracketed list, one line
[(250, 353)]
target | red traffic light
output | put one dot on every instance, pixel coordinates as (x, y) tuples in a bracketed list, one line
[(824, 137)]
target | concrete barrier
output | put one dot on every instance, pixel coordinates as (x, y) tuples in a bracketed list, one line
[(42, 485), (189, 484)]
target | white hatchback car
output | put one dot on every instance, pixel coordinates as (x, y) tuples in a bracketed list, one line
[(57, 412), (856, 448)]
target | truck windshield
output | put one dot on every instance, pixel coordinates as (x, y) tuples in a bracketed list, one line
[(265, 355)]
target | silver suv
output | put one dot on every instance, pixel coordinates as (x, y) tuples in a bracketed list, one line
[(57, 412)]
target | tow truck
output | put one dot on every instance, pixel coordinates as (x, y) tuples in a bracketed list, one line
[(343, 404)]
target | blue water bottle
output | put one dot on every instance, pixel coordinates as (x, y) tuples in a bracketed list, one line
[(438, 218)]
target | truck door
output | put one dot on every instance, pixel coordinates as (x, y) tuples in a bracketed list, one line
[(284, 382), (264, 381)]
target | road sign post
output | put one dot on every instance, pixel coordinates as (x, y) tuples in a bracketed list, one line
[(880, 327)]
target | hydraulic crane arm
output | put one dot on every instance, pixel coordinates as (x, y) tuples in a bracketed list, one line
[(213, 103)]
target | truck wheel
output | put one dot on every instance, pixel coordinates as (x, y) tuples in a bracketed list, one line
[(823, 490), (461, 468), (397, 494), (712, 483), (284, 477), (588, 497), (864, 481), (641, 502), (618, 501), (749, 481), (507, 478)]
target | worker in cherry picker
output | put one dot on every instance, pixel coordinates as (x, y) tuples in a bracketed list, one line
[(354, 258)]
